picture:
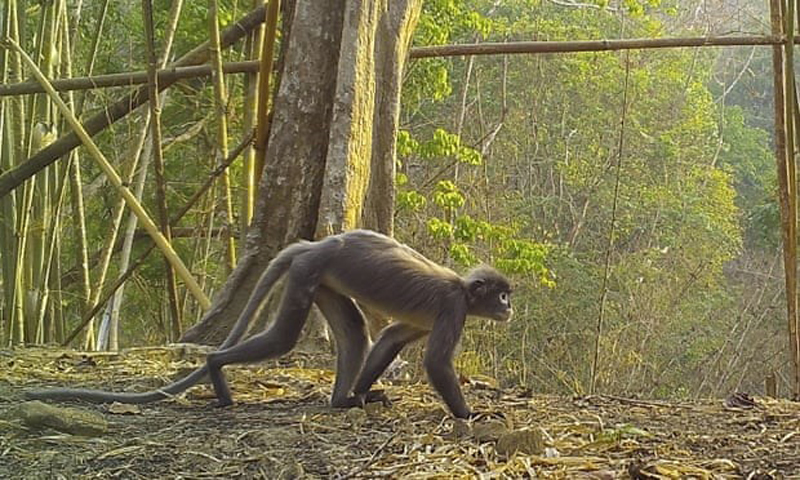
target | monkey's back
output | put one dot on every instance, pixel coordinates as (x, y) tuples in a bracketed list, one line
[(390, 277)]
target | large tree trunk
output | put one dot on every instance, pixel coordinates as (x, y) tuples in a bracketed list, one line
[(330, 158)]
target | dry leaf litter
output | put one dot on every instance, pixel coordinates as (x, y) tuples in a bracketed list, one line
[(281, 427)]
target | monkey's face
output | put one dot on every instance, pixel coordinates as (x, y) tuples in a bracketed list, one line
[(490, 299)]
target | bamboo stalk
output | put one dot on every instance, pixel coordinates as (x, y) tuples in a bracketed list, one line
[(265, 73), (8, 205), (140, 152), (785, 190), (252, 47), (590, 45), (221, 104), (170, 75), (56, 40), (18, 135), (128, 79), (76, 190), (112, 175), (158, 164), (13, 178), (108, 336), (32, 250), (789, 99)]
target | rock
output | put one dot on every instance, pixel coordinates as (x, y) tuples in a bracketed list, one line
[(291, 470), (74, 421), (124, 409), (461, 429), (373, 408), (489, 431), (526, 440), (356, 416)]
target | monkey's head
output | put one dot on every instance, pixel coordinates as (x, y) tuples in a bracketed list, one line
[(488, 294)]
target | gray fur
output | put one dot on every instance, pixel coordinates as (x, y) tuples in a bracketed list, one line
[(372, 269)]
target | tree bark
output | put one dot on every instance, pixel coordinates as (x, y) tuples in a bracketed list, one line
[(330, 155)]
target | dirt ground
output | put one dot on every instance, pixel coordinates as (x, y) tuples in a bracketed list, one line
[(281, 427)]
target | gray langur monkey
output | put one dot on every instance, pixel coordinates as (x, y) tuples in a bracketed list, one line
[(422, 297)]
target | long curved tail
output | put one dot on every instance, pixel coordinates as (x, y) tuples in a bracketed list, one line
[(274, 271)]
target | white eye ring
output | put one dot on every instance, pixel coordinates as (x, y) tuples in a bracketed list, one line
[(504, 297)]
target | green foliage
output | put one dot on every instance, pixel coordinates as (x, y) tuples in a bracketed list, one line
[(461, 254), (406, 145), (521, 256), (439, 229), (696, 186), (411, 200), (445, 144), (441, 22), (447, 196)]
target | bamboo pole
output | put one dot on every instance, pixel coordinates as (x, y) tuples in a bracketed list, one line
[(590, 45), (789, 99), (170, 75), (262, 118), (119, 109), (158, 168), (112, 175), (252, 48), (129, 79), (221, 152), (76, 182), (785, 190), (8, 205)]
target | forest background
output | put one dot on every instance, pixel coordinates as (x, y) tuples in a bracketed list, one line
[(523, 161)]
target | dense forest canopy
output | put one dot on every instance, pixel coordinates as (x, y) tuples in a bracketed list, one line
[(637, 183)]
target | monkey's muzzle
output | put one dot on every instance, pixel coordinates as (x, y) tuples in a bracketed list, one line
[(506, 315)]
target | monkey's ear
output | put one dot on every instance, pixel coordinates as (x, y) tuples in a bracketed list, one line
[(476, 287)]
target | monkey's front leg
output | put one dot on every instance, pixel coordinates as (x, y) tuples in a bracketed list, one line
[(439, 363)]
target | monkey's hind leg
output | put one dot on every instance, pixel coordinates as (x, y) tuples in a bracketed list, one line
[(277, 340), (352, 341)]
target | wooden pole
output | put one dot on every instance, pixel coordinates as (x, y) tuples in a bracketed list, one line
[(170, 75), (158, 169), (127, 79), (786, 190), (262, 118), (589, 45), (789, 98)]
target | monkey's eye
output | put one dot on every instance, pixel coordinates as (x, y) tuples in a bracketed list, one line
[(504, 297)]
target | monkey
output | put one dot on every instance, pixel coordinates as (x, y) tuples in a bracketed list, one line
[(337, 273)]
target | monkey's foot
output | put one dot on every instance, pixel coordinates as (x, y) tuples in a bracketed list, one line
[(223, 403), (361, 399), (377, 396)]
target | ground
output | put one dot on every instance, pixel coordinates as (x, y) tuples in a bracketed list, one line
[(281, 427)]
